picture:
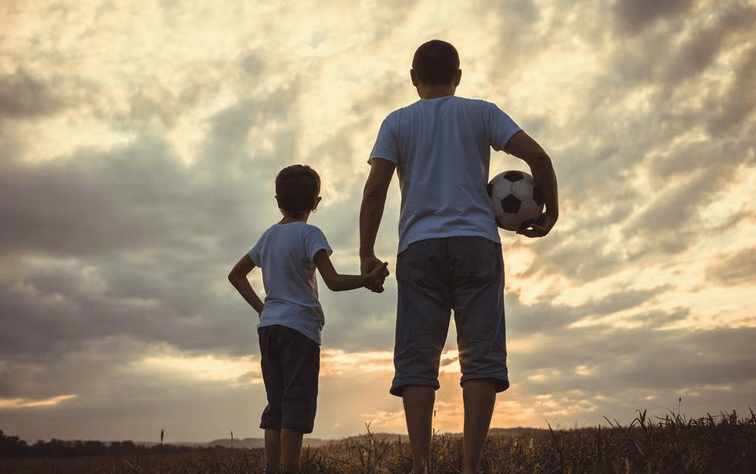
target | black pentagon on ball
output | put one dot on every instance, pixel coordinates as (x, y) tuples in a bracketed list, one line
[(510, 204), (489, 189), (513, 175)]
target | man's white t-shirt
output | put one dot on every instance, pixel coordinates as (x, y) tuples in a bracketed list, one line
[(285, 254), (442, 150)]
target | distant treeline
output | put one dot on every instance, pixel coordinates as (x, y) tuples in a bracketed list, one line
[(15, 447)]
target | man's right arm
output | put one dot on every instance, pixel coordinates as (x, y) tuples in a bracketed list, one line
[(371, 210), (524, 147)]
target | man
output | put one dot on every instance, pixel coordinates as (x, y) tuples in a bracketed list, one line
[(449, 249)]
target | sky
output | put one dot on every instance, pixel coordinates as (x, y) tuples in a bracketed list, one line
[(140, 139)]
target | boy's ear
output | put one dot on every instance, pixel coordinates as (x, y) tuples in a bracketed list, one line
[(457, 77), (317, 201)]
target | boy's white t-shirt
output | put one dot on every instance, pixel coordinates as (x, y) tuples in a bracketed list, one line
[(442, 150), (285, 254)]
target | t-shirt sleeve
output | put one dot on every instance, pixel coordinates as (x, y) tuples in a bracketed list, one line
[(315, 242), (502, 127), (254, 254), (386, 146)]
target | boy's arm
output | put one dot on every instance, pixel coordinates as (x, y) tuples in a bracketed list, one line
[(337, 282), (371, 210), (238, 278), (524, 147)]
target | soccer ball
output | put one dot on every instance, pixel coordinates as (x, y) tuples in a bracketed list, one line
[(516, 200)]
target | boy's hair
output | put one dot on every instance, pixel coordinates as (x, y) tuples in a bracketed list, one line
[(297, 189), (436, 62)]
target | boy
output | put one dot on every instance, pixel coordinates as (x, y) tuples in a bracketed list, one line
[(449, 249), (291, 318)]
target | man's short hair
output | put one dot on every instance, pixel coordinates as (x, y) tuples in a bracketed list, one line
[(297, 189), (436, 62)]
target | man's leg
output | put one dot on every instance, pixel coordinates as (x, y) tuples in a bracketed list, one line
[(418, 410), (481, 337), (479, 399), (272, 450), (291, 449)]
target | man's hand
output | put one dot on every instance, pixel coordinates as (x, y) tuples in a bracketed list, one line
[(540, 228), (367, 265)]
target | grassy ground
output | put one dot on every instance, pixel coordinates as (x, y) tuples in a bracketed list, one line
[(711, 445)]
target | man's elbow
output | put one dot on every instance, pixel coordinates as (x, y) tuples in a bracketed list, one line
[(373, 193), (540, 159)]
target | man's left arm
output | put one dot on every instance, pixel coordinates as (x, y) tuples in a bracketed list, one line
[(524, 147)]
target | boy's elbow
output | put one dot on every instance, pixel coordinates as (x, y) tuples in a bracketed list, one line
[(233, 278)]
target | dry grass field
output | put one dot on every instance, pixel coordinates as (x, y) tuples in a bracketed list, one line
[(715, 444)]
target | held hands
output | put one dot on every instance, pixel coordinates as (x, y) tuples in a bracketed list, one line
[(377, 270)]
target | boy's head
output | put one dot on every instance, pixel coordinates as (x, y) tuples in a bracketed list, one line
[(436, 63), (297, 189)]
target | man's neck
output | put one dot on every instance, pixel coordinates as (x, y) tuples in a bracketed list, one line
[(435, 91)]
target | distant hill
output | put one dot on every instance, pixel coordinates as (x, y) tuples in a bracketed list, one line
[(516, 431), (258, 443), (254, 443)]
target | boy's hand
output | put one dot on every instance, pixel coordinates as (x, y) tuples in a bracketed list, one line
[(378, 275)]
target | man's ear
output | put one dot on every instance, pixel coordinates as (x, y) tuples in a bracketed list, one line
[(457, 77), (413, 76)]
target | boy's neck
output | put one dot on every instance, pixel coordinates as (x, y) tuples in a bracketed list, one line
[(289, 219)]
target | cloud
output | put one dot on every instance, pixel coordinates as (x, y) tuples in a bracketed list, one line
[(734, 268), (635, 15), (637, 359), (23, 97)]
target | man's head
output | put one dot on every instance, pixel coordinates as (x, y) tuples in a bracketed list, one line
[(297, 189), (436, 63)]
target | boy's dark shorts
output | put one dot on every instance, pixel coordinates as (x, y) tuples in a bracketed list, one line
[(436, 276), (290, 367)]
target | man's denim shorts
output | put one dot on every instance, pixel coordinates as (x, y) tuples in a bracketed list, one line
[(290, 368), (436, 276)]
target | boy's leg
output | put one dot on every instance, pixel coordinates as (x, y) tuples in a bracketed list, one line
[(300, 358), (291, 449), (479, 399), (272, 450), (418, 411), (273, 378)]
